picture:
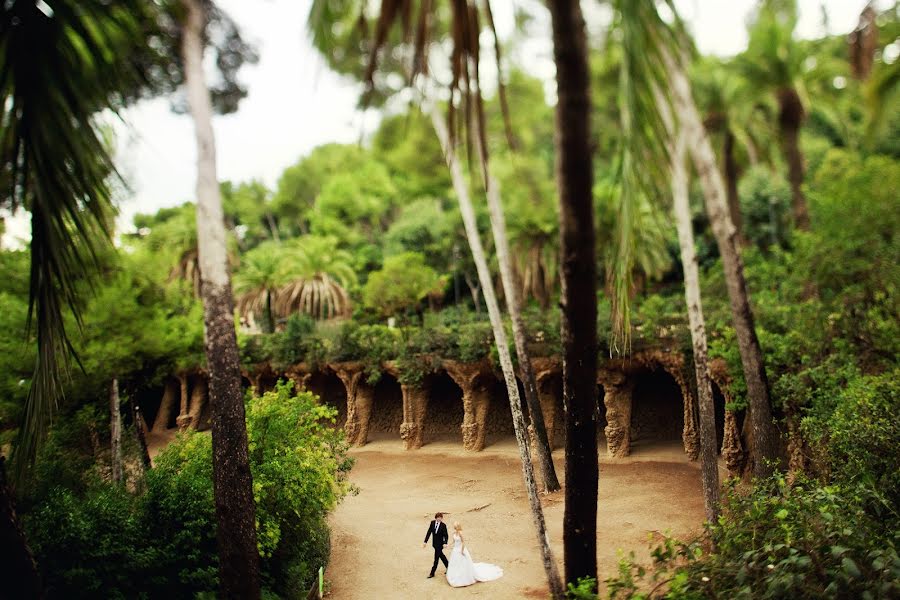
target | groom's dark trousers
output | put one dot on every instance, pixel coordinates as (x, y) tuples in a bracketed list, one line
[(439, 537)]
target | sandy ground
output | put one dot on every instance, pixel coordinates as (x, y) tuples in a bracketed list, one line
[(377, 535)]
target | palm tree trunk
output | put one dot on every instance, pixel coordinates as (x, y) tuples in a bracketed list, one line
[(681, 208), (790, 117), (115, 431), (232, 482), (574, 177), (731, 180), (513, 306), (270, 316), (763, 446), (484, 276), (18, 570)]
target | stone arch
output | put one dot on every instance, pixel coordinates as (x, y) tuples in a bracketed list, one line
[(331, 392), (157, 401), (387, 407), (498, 421), (445, 415), (658, 412)]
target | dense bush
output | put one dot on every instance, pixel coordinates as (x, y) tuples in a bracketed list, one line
[(777, 541), (95, 539)]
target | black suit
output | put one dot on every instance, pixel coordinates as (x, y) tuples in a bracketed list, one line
[(438, 539)]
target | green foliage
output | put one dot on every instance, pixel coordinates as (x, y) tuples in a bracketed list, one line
[(765, 201), (859, 438), (94, 538), (86, 544), (401, 285), (777, 541)]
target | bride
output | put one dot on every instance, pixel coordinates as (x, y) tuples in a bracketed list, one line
[(461, 570)]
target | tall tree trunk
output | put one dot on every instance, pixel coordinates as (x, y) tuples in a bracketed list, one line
[(574, 178), (681, 208), (18, 571), (273, 228), (270, 316), (732, 174), (484, 276), (232, 481), (115, 431), (790, 117), (166, 404), (763, 447), (513, 306)]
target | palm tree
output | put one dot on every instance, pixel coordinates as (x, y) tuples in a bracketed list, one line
[(774, 62), (763, 443), (468, 214), (574, 177), (465, 89), (257, 282), (740, 124), (681, 209), (652, 51), (317, 275), (232, 482), (59, 67)]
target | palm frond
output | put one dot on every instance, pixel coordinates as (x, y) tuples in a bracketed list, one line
[(642, 164), (59, 67)]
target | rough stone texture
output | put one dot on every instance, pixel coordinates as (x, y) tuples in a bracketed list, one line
[(415, 407), (498, 420), (199, 397), (469, 400), (550, 396), (657, 412), (617, 399), (387, 406), (732, 451), (733, 446), (471, 378), (359, 401), (445, 411), (325, 384)]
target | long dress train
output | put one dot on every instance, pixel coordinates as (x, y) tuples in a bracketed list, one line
[(462, 571)]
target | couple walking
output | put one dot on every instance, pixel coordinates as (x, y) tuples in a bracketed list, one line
[(461, 571)]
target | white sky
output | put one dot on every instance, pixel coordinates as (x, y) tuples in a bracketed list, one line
[(295, 103)]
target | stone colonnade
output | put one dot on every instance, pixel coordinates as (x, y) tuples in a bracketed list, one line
[(476, 380)]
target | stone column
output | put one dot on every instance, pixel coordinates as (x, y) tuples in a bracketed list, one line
[(359, 403), (690, 436), (617, 388), (732, 451), (415, 405), (181, 421), (476, 402), (199, 396)]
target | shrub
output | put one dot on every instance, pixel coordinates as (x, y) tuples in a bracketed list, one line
[(864, 434), (99, 539), (777, 541), (91, 546)]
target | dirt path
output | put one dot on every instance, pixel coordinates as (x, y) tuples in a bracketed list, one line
[(377, 535)]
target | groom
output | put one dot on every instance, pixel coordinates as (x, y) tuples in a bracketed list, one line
[(437, 531)]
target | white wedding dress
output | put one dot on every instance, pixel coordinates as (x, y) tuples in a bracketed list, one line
[(462, 571)]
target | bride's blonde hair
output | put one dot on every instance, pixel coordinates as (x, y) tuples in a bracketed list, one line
[(457, 526)]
